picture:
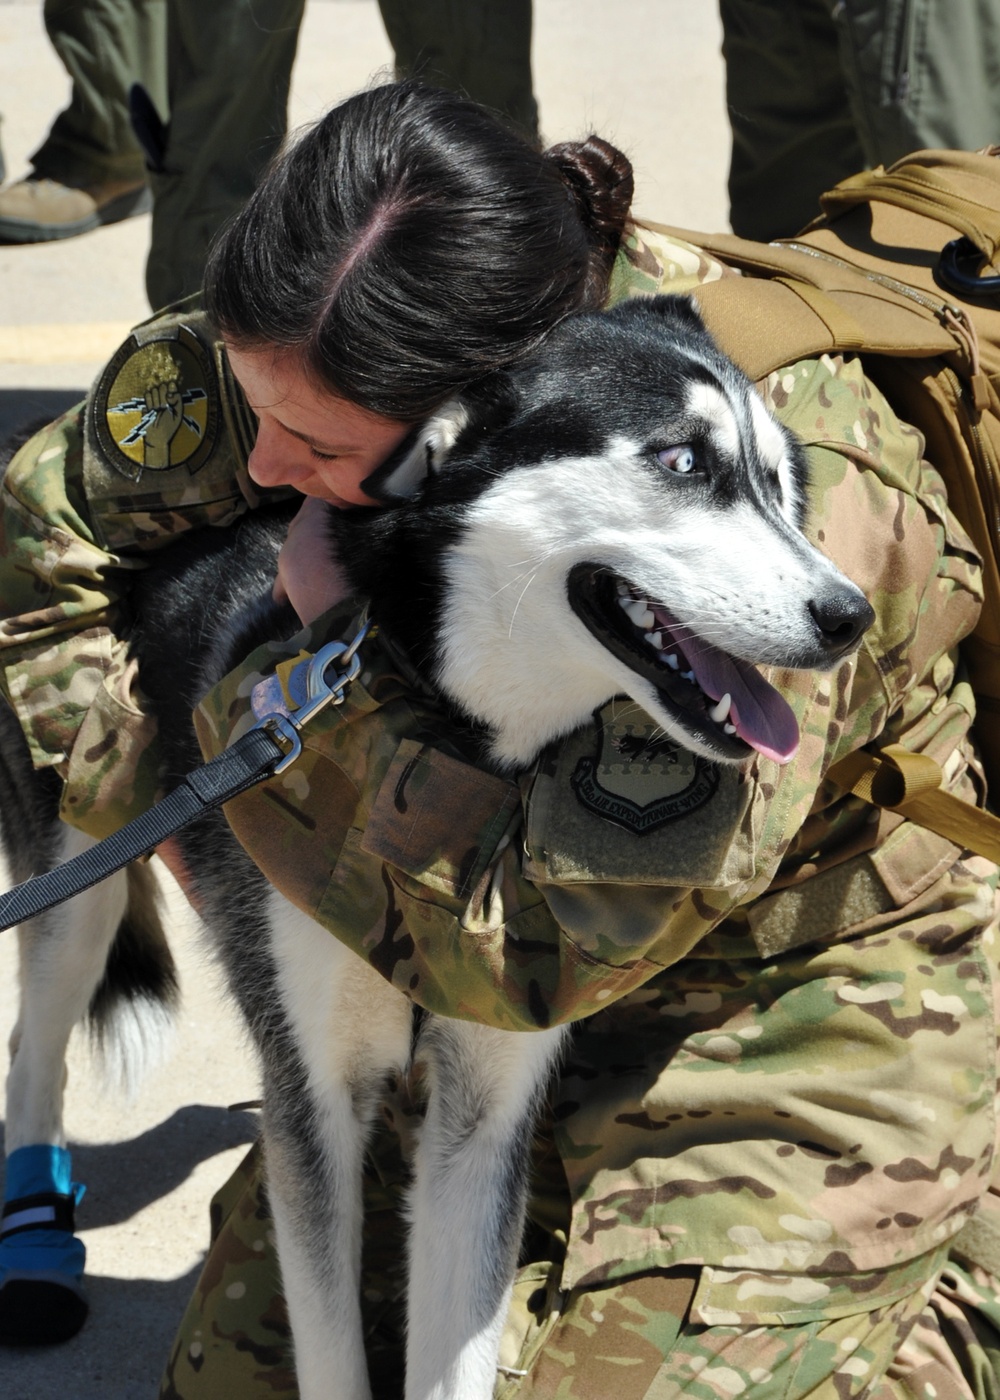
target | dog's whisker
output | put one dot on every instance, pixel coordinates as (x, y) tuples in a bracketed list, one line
[(510, 629), (533, 569), (504, 586), (539, 557), (631, 708)]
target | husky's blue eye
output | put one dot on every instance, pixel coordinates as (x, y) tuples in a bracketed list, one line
[(678, 459)]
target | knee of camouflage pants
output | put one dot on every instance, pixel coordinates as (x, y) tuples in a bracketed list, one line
[(640, 1339), (934, 1334), (234, 1341)]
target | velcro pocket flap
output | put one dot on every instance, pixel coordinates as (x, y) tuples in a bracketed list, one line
[(438, 819)]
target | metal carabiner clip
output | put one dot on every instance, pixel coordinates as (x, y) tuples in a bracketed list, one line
[(318, 688), (320, 692)]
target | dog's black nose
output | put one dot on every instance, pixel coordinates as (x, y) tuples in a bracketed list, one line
[(841, 619)]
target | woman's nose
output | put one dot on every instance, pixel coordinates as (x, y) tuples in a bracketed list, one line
[(265, 461)]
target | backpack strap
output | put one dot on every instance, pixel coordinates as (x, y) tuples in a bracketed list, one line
[(797, 302), (910, 783)]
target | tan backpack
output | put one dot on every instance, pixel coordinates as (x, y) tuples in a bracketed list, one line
[(903, 268)]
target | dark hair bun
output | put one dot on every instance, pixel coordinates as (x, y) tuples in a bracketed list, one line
[(600, 179)]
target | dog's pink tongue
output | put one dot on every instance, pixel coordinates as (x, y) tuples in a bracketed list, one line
[(761, 717)]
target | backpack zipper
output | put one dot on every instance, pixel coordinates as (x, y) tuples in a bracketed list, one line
[(882, 279)]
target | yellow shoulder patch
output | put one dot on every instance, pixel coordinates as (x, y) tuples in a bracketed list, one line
[(157, 404)]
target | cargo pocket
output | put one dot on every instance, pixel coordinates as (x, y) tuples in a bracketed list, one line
[(800, 1335), (449, 920), (774, 1298), (438, 820), (612, 1339)]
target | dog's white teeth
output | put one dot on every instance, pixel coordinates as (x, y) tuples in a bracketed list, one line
[(640, 614), (671, 660), (655, 640), (720, 711), (687, 675), (729, 729)]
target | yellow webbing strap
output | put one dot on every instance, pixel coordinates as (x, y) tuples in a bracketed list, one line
[(910, 783)]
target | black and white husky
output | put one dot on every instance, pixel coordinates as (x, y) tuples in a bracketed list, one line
[(619, 516)]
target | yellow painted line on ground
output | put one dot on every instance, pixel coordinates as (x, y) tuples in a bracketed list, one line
[(54, 344)]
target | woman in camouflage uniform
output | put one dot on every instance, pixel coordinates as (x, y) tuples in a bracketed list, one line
[(456, 205), (767, 1164)]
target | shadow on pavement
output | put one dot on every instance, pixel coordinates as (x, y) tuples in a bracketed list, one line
[(121, 1352), (123, 1348), (21, 407), (122, 1178)]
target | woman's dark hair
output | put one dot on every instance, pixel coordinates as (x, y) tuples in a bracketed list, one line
[(408, 243)]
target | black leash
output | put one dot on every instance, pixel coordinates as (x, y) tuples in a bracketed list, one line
[(268, 748)]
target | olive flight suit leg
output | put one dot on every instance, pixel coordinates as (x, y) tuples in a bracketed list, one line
[(479, 47), (793, 132), (921, 74), (105, 46), (230, 65), (818, 89)]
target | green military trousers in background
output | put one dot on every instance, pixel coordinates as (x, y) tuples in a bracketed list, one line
[(105, 46), (230, 65), (218, 76), (479, 47), (819, 89)]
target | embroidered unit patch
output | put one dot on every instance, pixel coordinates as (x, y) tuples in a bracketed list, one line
[(638, 778), (157, 404)]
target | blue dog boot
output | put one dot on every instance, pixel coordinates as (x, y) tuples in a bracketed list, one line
[(41, 1261)]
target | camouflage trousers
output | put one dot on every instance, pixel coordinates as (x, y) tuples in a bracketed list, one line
[(632, 1339)]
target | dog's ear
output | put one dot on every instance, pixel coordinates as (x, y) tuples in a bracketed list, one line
[(480, 408), (682, 311), (419, 455)]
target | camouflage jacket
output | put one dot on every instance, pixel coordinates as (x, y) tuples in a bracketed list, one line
[(159, 446), (784, 1006)]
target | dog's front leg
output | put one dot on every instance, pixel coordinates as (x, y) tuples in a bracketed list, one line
[(313, 1163), (345, 1030), (468, 1201)]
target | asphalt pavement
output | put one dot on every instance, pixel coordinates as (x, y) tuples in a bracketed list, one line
[(648, 75)]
